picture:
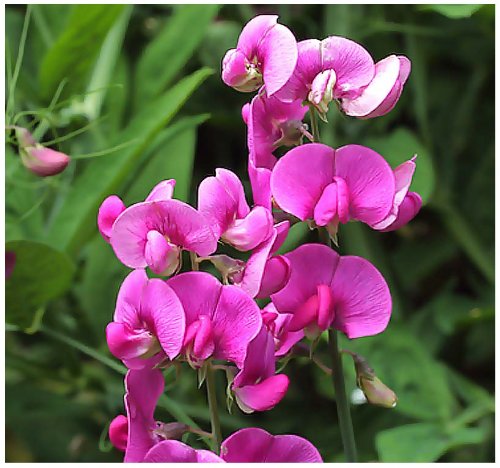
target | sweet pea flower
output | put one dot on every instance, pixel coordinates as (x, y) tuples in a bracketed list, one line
[(266, 53), (253, 445), (220, 320), (316, 182), (271, 123), (148, 323), (221, 200), (334, 68), (113, 206), (325, 289), (383, 92), (257, 387)]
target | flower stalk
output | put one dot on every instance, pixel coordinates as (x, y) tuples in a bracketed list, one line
[(212, 406)]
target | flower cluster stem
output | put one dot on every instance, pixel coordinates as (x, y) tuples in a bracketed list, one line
[(314, 124), (212, 406)]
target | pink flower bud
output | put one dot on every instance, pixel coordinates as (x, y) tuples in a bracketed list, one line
[(43, 161)]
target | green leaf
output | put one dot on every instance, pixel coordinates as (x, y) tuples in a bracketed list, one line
[(165, 56), (295, 237), (422, 442), (40, 274), (398, 147), (74, 52), (452, 11), (220, 37), (75, 222)]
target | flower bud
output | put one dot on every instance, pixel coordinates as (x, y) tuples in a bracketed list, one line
[(171, 431), (43, 161), (321, 93)]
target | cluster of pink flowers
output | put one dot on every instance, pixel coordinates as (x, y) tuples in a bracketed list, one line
[(197, 318)]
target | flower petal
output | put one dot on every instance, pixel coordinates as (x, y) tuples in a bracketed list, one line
[(128, 302), (118, 432), (276, 274), (174, 451), (407, 211), (262, 396), (162, 191), (109, 210)]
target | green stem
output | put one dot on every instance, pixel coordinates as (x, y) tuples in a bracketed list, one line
[(343, 410), (314, 124), (212, 406)]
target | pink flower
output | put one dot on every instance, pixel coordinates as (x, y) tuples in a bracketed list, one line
[(334, 68), (118, 432), (148, 323), (314, 181), (113, 206), (325, 289), (221, 200), (173, 451), (266, 53), (253, 445), (383, 92), (271, 123), (256, 387), (220, 320)]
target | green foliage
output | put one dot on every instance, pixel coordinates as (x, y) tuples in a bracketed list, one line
[(453, 11)]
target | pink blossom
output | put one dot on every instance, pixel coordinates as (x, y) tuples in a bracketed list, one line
[(173, 451), (148, 323), (383, 92), (316, 182), (220, 320), (257, 387), (266, 53), (253, 445), (221, 200), (325, 289), (118, 432)]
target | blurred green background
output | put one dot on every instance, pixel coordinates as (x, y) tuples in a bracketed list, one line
[(128, 93)]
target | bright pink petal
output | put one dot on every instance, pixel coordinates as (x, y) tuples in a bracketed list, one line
[(326, 208), (126, 343), (128, 302), (264, 395), (282, 230), (144, 388), (362, 298), (161, 257), (407, 211), (276, 274), (234, 188), (284, 337), (260, 179), (253, 445), (370, 180), (173, 451), (253, 32), (247, 233), (183, 225), (162, 191), (299, 178), (234, 68), (118, 432), (162, 305), (311, 265), (109, 210), (236, 321)]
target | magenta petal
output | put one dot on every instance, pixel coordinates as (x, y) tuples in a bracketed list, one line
[(362, 298), (276, 274), (370, 180), (128, 302), (234, 188), (326, 208), (203, 346), (300, 176), (165, 309), (173, 451), (284, 337), (144, 388), (156, 252), (265, 395), (236, 321), (253, 445), (247, 233), (352, 63), (260, 179), (127, 343), (183, 225), (311, 264), (109, 210), (253, 32), (162, 191), (118, 432), (282, 233), (407, 211)]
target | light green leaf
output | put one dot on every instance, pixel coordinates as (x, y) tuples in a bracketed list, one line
[(74, 52), (398, 147), (40, 274), (76, 221), (164, 57), (453, 11)]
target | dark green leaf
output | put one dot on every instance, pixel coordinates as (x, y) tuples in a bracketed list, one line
[(453, 11)]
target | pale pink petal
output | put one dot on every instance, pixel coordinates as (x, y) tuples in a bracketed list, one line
[(144, 388), (362, 298), (370, 181), (174, 451), (254, 445), (43, 161), (118, 432), (234, 68), (109, 210), (236, 321), (311, 265), (253, 32), (407, 211), (247, 233), (162, 191), (300, 176), (264, 395)]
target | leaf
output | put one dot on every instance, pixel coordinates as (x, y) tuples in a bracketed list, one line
[(398, 147), (295, 237), (164, 57), (220, 37), (422, 442), (40, 274), (76, 221), (452, 11), (74, 52)]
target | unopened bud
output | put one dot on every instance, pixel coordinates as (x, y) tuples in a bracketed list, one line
[(171, 431), (321, 93)]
